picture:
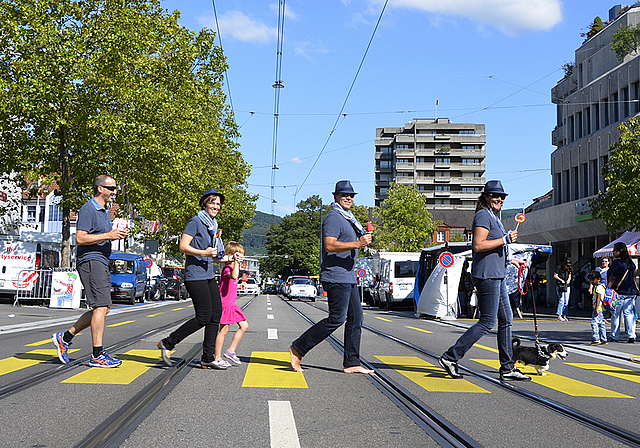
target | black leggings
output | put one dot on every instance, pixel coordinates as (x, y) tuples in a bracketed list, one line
[(205, 295)]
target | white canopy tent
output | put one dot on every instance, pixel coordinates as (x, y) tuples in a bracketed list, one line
[(631, 239)]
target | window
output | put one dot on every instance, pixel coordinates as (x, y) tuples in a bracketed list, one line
[(405, 174), (605, 107), (579, 123), (441, 236), (443, 160), (443, 187), (587, 119), (402, 146), (385, 164), (625, 102), (467, 131), (596, 116), (31, 213), (471, 189), (471, 161), (406, 269), (405, 161), (635, 88), (468, 146), (615, 104), (55, 213), (477, 174), (385, 149)]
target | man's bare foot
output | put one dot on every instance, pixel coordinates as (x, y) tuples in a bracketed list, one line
[(295, 359), (357, 369)]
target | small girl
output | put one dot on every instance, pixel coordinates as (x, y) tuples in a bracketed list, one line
[(231, 312)]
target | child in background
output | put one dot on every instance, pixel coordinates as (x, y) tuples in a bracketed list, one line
[(231, 312), (598, 326)]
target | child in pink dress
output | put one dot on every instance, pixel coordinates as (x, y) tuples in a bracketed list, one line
[(231, 312)]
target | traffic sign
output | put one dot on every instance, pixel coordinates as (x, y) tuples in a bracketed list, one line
[(147, 262), (3, 196), (446, 259), (361, 272)]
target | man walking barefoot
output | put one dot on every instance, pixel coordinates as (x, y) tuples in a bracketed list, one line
[(342, 236)]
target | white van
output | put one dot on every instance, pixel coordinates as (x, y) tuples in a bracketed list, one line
[(17, 256), (397, 278)]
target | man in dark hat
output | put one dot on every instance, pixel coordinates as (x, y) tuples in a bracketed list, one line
[(342, 236)]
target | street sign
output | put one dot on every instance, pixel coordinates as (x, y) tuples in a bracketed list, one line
[(361, 272), (147, 262), (446, 259)]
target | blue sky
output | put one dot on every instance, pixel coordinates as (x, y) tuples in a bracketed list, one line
[(486, 61)]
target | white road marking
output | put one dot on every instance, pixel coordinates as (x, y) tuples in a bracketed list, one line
[(272, 333), (269, 308), (270, 316), (282, 425)]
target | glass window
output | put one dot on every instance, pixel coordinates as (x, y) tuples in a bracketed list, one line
[(445, 160), (440, 237), (31, 213), (406, 269)]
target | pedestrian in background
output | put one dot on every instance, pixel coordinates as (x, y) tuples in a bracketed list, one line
[(231, 312), (491, 254), (563, 279), (603, 269), (202, 245), (598, 327), (93, 245), (342, 236), (622, 279)]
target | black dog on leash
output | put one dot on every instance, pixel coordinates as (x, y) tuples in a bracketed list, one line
[(539, 356)]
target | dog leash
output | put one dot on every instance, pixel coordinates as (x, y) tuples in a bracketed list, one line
[(523, 291)]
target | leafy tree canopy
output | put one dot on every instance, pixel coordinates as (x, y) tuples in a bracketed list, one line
[(404, 223), (118, 87), (619, 204)]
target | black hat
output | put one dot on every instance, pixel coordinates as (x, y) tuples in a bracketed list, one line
[(211, 192), (494, 186), (344, 186)]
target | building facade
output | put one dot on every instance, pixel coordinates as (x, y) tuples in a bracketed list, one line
[(444, 160), (596, 95)]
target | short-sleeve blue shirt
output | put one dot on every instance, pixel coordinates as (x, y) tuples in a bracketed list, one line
[(618, 269), (338, 267), (491, 264), (94, 219), (195, 267)]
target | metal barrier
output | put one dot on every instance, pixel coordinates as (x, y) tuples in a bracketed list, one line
[(47, 285)]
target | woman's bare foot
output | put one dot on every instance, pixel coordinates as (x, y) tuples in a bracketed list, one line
[(357, 369), (296, 359)]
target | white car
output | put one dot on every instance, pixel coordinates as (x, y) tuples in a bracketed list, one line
[(302, 288), (250, 287)]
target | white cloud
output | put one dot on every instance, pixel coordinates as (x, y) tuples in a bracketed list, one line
[(236, 25), (297, 160), (307, 49), (509, 16), (289, 14)]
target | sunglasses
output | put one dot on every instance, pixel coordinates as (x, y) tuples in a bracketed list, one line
[(498, 195), (347, 195), (110, 187)]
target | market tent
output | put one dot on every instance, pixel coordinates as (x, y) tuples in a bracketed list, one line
[(631, 239)]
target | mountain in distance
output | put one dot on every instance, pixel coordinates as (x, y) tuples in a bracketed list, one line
[(255, 237)]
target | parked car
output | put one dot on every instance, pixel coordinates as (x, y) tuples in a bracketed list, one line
[(128, 277), (397, 278), (175, 282), (287, 284), (302, 288), (250, 287)]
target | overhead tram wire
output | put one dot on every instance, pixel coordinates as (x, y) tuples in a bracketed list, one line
[(341, 113), (277, 86), (226, 75)]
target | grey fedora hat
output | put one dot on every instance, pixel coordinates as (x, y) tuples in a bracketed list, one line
[(211, 192), (344, 186), (494, 186)]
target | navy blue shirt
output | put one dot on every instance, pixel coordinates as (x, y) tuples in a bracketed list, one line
[(492, 263), (338, 267), (617, 269), (94, 219), (196, 267)]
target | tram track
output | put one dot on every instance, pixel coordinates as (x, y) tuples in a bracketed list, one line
[(414, 407)]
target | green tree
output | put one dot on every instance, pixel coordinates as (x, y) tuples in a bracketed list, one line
[(118, 87), (619, 204), (626, 41), (404, 223)]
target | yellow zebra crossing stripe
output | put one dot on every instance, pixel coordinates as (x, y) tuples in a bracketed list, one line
[(28, 359), (134, 363), (121, 323), (429, 376), (273, 369), (625, 374), (560, 383)]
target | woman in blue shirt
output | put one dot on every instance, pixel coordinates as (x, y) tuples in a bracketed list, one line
[(621, 276), (490, 257), (202, 245)]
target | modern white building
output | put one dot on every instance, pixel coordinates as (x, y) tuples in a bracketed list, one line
[(444, 160)]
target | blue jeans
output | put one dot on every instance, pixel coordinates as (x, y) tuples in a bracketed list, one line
[(563, 301), (493, 302), (625, 306), (598, 328), (344, 304)]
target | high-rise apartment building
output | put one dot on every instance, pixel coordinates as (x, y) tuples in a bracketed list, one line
[(444, 160)]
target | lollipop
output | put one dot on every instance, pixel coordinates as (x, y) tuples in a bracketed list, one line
[(369, 227), (520, 218)]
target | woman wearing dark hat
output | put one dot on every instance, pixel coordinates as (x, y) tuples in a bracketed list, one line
[(202, 245), (490, 257)]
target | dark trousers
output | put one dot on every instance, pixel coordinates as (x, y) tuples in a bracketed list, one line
[(344, 304), (205, 295)]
